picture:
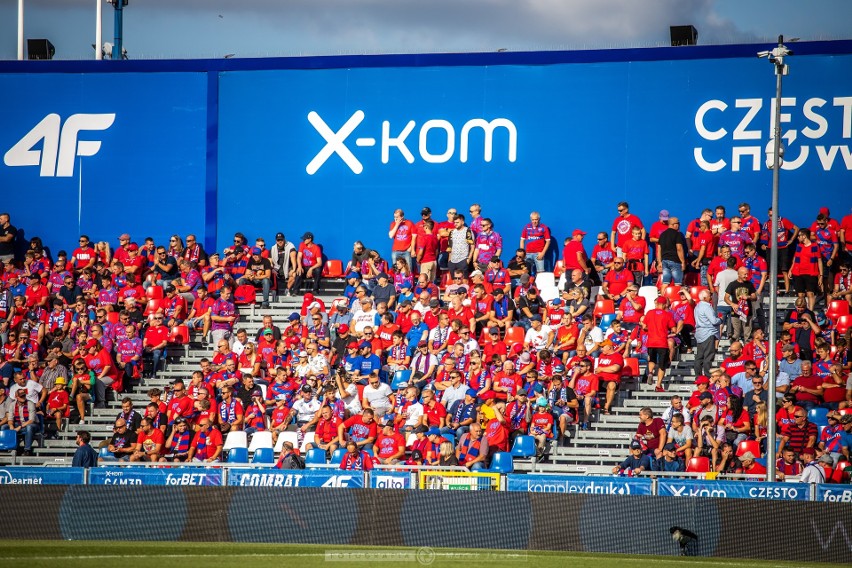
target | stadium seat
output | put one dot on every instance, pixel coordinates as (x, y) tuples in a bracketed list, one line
[(545, 280), (104, 454), (260, 440), (818, 416), (514, 335), (839, 475), (843, 324), (451, 438), (631, 367), (694, 291), (263, 455), (548, 293), (650, 294), (112, 317), (8, 440), (236, 439), (152, 307), (244, 294), (315, 456), (559, 268), (752, 446), (691, 279), (179, 335), (698, 465), (524, 447), (606, 321), (836, 309), (332, 269), (604, 307), (760, 461), (593, 293), (845, 411), (400, 377), (501, 462), (292, 437), (238, 455), (154, 293), (369, 452), (410, 439), (332, 308), (337, 455), (672, 293), (308, 439)]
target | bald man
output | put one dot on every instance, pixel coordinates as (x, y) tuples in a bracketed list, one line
[(739, 295)]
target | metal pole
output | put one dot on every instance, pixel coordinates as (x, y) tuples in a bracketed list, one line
[(773, 272), (119, 22), (20, 30), (99, 29)]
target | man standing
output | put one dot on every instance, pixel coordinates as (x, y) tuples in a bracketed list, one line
[(706, 333), (671, 253), (535, 239), (659, 323), (739, 295), (489, 244), (574, 254), (460, 245), (623, 225), (402, 234), (85, 455), (7, 239)]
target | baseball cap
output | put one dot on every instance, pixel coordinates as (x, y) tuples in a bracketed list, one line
[(494, 331), (556, 302), (487, 395), (293, 317), (635, 445), (313, 305), (670, 447), (434, 431), (343, 328), (60, 380), (536, 317), (702, 380), (281, 397), (577, 232), (498, 292), (31, 315), (308, 235), (825, 458), (303, 353), (306, 388), (542, 402), (279, 236), (353, 275), (365, 344), (476, 273), (660, 300), (91, 343), (133, 247), (705, 396), (471, 393), (664, 215), (423, 344), (426, 211), (434, 303), (352, 345), (824, 211), (461, 290), (255, 250), (606, 342), (267, 331)]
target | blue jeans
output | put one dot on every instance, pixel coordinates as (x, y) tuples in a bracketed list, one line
[(540, 265), (157, 355), (29, 433), (724, 313), (477, 466), (672, 272)]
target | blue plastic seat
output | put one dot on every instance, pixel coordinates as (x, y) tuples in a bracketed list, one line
[(524, 447), (263, 455), (818, 416), (501, 462), (606, 320), (316, 456), (338, 455), (450, 438), (8, 440), (238, 455), (369, 452), (760, 461), (400, 377)]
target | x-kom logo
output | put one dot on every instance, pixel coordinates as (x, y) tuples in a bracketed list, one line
[(335, 142)]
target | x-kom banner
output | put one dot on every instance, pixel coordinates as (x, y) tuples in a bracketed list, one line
[(690, 133)]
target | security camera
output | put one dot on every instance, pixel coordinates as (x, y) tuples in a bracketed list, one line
[(683, 537)]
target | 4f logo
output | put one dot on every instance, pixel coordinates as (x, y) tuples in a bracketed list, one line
[(441, 133), (60, 146)]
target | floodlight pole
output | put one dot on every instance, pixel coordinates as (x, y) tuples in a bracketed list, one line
[(99, 39), (20, 30), (119, 27), (776, 57)]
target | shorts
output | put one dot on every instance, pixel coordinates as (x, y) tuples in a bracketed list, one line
[(194, 323), (805, 283), (659, 356)]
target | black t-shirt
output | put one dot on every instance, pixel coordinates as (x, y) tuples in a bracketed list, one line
[(383, 294), (126, 439), (171, 270), (70, 294), (535, 305), (669, 240), (259, 266), (8, 248), (514, 264), (736, 289)]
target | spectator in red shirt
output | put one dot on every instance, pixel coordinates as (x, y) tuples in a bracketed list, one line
[(402, 234), (574, 254), (155, 341), (651, 433), (426, 247), (356, 459), (608, 369), (535, 239), (390, 446), (308, 264), (659, 323), (149, 442), (807, 387), (623, 225), (207, 444)]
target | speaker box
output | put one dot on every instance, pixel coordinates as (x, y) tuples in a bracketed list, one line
[(683, 35), (40, 49)]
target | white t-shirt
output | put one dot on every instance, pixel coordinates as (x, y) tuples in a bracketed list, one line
[(33, 391), (538, 339), (378, 397), (350, 401), (413, 414), (594, 336), (721, 283), (363, 319), (306, 409)]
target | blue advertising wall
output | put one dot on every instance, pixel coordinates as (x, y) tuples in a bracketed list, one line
[(334, 144)]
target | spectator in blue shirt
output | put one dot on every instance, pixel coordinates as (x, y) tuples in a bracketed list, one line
[(366, 362), (635, 463)]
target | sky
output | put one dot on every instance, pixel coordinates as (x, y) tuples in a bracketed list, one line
[(156, 29)]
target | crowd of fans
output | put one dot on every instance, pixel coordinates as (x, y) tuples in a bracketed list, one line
[(444, 353)]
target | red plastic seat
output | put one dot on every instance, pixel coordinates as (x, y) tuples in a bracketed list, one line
[(152, 307), (836, 309), (244, 294), (112, 317), (698, 465), (514, 335), (603, 307), (672, 293), (844, 411), (752, 446), (179, 335), (843, 324), (838, 475), (155, 293), (631, 367), (332, 269), (695, 291), (559, 268)]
